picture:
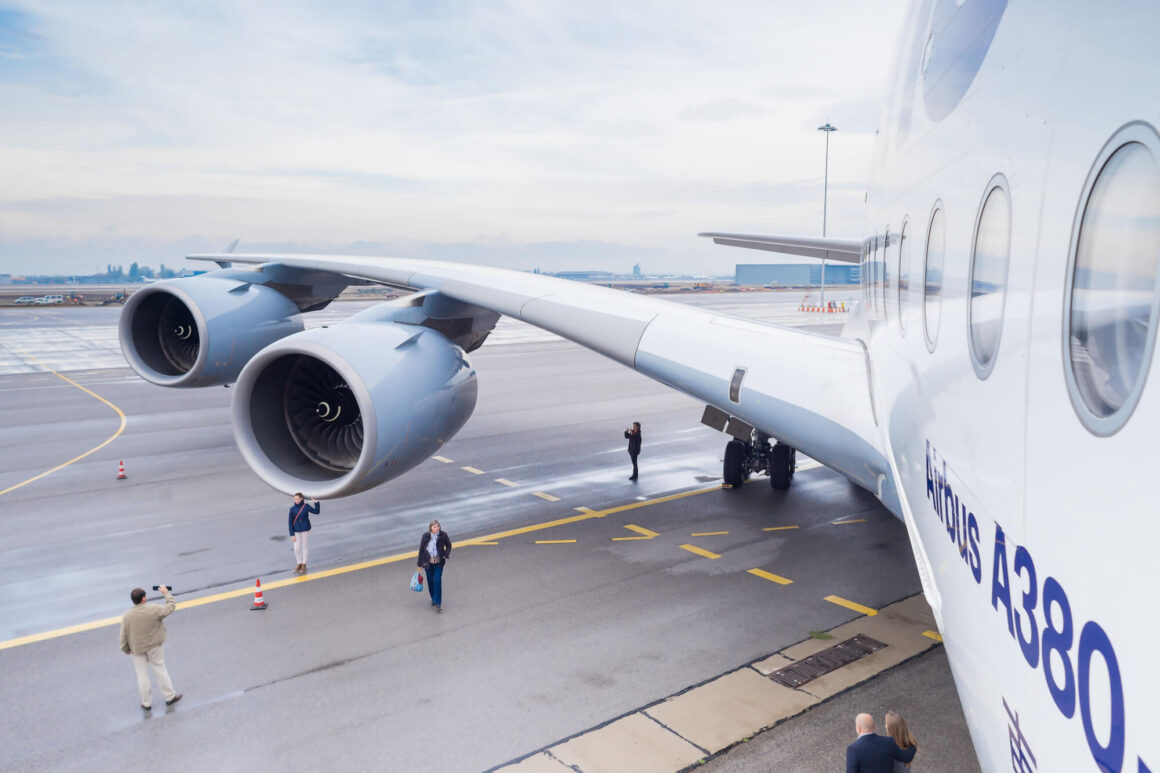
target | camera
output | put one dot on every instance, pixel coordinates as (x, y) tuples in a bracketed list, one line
[(158, 587)]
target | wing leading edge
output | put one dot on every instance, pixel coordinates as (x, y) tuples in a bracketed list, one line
[(807, 390)]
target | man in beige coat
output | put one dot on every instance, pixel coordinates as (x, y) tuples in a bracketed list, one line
[(142, 634)]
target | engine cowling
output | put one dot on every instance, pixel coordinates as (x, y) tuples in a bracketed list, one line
[(334, 411), (200, 331)]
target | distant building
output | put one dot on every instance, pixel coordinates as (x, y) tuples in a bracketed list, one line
[(797, 274), (585, 276), (636, 271), (5, 279)]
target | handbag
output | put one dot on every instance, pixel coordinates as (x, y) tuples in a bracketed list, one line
[(417, 581)]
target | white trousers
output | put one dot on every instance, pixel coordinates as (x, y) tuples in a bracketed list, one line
[(300, 546), (155, 659)]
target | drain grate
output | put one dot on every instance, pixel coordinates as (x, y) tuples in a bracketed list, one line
[(818, 664)]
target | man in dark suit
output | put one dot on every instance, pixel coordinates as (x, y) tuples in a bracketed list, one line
[(633, 436), (873, 753)]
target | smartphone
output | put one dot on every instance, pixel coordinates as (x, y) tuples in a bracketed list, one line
[(158, 587)]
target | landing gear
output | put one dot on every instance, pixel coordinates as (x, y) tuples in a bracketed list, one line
[(744, 459), (782, 462)]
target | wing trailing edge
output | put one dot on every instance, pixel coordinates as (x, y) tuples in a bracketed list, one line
[(828, 248)]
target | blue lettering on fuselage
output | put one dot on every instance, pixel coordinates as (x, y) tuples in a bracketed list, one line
[(1039, 619)]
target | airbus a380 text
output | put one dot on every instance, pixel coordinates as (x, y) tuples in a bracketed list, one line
[(992, 388)]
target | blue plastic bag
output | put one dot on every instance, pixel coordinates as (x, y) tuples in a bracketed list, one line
[(417, 581)]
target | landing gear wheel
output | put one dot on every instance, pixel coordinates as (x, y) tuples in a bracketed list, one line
[(782, 461), (734, 468)]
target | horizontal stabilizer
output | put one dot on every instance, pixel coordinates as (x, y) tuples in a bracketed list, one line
[(843, 250)]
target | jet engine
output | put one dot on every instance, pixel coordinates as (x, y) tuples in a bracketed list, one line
[(201, 331), (334, 411)]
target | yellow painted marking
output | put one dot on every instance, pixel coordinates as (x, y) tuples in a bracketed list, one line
[(707, 533), (852, 520), (628, 539), (932, 635), (398, 557), (548, 497), (474, 471), (443, 459), (94, 449), (554, 541), (851, 605), (699, 551), (505, 482), (771, 576), (589, 510), (647, 533), (779, 528)]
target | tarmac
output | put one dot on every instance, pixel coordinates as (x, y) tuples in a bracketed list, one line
[(574, 598)]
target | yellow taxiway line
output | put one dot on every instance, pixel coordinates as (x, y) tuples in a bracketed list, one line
[(707, 533), (932, 635), (851, 605), (778, 528), (699, 551), (474, 470), (852, 520), (771, 576), (505, 482), (486, 539), (86, 390), (547, 497)]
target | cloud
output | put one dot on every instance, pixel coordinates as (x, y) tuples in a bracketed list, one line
[(424, 123)]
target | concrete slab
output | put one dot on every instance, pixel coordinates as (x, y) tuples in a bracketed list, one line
[(771, 664), (900, 626), (537, 763), (634, 743), (724, 711)]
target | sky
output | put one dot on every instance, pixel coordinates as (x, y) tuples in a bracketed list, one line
[(525, 133)]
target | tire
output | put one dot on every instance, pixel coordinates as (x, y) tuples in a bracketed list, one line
[(734, 467), (782, 460)]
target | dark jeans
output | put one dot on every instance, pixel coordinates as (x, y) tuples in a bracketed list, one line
[(435, 583), (633, 457)]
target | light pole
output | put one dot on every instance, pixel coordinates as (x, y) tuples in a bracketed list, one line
[(825, 196)]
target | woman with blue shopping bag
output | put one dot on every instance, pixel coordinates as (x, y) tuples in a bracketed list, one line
[(434, 550)]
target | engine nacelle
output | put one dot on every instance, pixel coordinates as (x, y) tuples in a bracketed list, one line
[(202, 330), (334, 411)]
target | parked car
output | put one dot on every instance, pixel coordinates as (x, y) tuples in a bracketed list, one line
[(25, 299), (51, 299)]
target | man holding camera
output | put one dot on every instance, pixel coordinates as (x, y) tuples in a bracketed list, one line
[(142, 634), (632, 434)]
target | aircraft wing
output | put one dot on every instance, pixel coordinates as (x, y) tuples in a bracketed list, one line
[(809, 391), (829, 248)]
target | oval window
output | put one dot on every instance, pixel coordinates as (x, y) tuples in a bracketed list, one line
[(990, 257), (933, 271), (1110, 317), (903, 274)]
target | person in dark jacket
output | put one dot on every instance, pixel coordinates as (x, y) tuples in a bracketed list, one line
[(873, 753), (300, 528), (434, 550), (633, 436)]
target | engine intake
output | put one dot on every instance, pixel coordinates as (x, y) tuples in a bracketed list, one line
[(201, 331), (334, 411)]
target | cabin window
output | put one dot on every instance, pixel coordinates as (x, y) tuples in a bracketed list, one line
[(933, 272), (735, 385), (903, 274), (990, 257), (1111, 298)]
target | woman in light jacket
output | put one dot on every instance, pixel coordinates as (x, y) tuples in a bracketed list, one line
[(434, 550)]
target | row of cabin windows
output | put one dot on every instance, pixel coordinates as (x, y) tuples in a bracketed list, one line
[(1111, 302)]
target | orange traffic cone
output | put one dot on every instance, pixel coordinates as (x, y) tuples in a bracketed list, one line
[(259, 602), (121, 470)]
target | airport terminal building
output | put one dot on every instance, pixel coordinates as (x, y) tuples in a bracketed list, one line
[(797, 274)]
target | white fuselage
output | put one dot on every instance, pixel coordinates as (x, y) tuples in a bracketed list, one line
[(1010, 499)]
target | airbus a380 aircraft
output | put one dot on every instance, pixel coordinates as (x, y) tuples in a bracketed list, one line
[(992, 389)]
